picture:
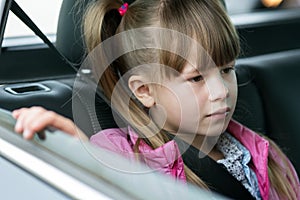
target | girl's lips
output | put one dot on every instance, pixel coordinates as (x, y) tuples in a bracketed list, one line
[(220, 113)]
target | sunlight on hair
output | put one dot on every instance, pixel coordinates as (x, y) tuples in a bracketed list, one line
[(271, 3)]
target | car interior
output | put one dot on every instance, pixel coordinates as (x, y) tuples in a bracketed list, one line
[(64, 168), (267, 70)]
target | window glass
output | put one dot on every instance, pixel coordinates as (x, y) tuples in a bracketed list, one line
[(44, 13), (236, 6)]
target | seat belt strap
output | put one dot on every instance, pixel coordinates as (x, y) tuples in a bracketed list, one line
[(18, 11)]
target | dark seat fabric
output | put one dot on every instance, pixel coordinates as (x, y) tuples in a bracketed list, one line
[(269, 97), (69, 35)]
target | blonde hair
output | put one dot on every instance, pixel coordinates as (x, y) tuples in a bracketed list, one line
[(281, 182), (204, 20)]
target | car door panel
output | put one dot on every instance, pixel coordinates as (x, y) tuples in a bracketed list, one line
[(51, 94)]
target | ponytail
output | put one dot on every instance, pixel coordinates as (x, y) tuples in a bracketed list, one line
[(101, 21), (283, 183)]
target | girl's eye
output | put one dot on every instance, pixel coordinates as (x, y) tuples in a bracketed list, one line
[(196, 79), (227, 70)]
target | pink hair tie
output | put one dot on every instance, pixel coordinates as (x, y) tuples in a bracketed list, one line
[(123, 9)]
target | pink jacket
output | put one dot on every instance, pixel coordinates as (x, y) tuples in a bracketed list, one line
[(168, 160)]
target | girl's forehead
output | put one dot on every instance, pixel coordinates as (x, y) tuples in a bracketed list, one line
[(198, 59)]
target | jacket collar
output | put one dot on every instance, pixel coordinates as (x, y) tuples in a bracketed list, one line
[(259, 148), (165, 158)]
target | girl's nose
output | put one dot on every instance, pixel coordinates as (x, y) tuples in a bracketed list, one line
[(217, 88)]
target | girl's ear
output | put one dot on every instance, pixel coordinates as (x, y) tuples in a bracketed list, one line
[(141, 90)]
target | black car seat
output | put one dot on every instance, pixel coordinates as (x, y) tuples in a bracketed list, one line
[(269, 97)]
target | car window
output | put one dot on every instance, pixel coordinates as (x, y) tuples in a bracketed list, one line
[(236, 7), (21, 185), (44, 13)]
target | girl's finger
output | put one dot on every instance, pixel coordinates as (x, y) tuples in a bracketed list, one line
[(20, 120), (16, 113), (34, 120), (27, 134)]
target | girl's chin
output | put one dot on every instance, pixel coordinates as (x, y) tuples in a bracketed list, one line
[(211, 128), (215, 129)]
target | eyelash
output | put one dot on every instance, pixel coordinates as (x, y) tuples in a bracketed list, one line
[(227, 70), (196, 79), (199, 78)]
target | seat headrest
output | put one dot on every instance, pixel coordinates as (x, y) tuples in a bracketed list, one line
[(68, 36)]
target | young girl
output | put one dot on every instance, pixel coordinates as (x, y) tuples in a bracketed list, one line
[(183, 94)]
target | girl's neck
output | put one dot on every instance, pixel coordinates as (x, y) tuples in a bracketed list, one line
[(208, 145), (216, 154), (205, 144)]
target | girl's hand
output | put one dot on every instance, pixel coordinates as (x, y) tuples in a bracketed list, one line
[(35, 119)]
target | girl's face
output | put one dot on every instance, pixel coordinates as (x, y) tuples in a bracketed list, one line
[(198, 101)]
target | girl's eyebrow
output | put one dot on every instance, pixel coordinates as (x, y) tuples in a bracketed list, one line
[(192, 70), (230, 63)]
